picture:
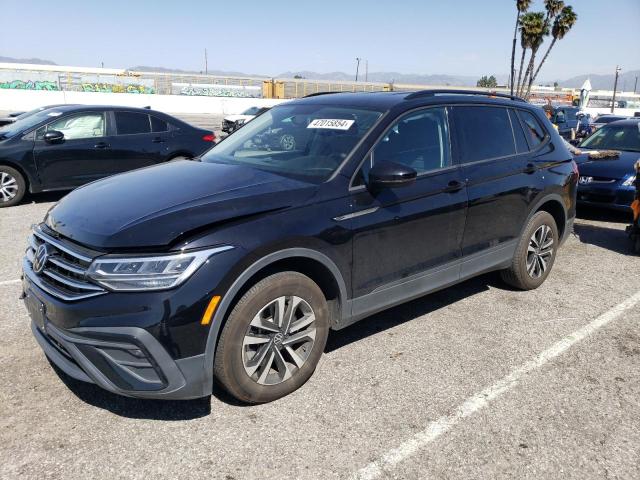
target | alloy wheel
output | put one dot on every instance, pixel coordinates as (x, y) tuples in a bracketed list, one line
[(539, 251), (279, 340), (8, 187)]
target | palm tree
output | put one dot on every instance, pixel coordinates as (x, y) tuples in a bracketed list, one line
[(553, 9), (532, 32), (561, 26), (522, 6)]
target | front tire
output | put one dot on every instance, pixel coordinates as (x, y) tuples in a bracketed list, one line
[(535, 254), (12, 186), (273, 338)]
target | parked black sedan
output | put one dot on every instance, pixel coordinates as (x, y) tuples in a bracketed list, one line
[(608, 180), (64, 147)]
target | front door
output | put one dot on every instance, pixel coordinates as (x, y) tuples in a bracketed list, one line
[(401, 234), (81, 157)]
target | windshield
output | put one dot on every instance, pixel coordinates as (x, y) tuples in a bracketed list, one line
[(307, 142), (615, 137), (26, 122)]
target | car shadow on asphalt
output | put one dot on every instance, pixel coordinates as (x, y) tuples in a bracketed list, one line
[(612, 239), (46, 197), (166, 410), (410, 311)]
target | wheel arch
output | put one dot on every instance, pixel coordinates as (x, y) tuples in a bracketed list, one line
[(553, 205), (317, 266)]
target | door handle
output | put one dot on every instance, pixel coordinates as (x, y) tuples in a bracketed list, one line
[(530, 168), (101, 145), (157, 140), (453, 186)]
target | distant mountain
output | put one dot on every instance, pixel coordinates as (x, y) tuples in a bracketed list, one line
[(626, 81), (395, 77), (222, 73), (33, 61)]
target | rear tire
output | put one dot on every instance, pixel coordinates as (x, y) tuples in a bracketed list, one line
[(12, 186), (535, 254), (273, 338)]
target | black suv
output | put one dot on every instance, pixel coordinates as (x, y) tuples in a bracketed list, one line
[(64, 146), (155, 282)]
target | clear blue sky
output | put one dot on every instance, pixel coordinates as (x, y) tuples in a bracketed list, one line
[(410, 36)]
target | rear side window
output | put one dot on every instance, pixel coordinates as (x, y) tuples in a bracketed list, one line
[(518, 133), (158, 125), (533, 130), (483, 133), (129, 123)]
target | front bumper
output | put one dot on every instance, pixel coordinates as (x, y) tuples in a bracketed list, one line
[(614, 197), (121, 366), (124, 360)]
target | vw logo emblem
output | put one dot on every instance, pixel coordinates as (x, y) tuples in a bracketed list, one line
[(41, 257)]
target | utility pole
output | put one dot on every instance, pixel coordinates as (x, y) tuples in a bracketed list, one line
[(357, 67), (635, 86), (366, 70), (206, 66), (615, 87)]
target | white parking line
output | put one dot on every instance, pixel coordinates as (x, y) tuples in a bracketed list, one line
[(480, 400), (9, 282)]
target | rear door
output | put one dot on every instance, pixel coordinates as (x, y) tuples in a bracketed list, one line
[(497, 174), (134, 144), (83, 155)]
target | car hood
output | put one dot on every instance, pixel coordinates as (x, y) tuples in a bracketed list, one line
[(152, 207), (235, 118), (609, 167)]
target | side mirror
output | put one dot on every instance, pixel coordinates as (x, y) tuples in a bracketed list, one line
[(390, 175), (53, 136)]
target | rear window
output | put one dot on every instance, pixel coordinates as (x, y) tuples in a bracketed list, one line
[(158, 125), (533, 130), (129, 123), (483, 133)]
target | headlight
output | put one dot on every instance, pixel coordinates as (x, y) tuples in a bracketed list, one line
[(629, 181), (148, 272), (240, 121)]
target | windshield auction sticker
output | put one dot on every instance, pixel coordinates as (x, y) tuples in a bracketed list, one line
[(331, 124)]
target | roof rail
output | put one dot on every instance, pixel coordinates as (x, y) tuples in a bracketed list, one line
[(316, 94), (430, 93)]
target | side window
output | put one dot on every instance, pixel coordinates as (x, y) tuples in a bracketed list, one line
[(130, 123), (158, 125), (483, 133), (419, 140), (534, 132), (76, 127), (518, 133)]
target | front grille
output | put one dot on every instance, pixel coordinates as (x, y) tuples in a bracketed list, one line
[(63, 271)]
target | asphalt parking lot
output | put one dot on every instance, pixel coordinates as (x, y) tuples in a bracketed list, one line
[(476, 381)]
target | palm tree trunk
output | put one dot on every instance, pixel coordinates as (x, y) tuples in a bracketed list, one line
[(513, 52), (535, 75), (524, 52), (529, 71)]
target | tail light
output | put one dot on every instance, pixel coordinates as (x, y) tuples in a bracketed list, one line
[(209, 137)]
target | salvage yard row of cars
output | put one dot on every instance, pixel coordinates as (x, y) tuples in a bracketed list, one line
[(234, 267), (64, 146)]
